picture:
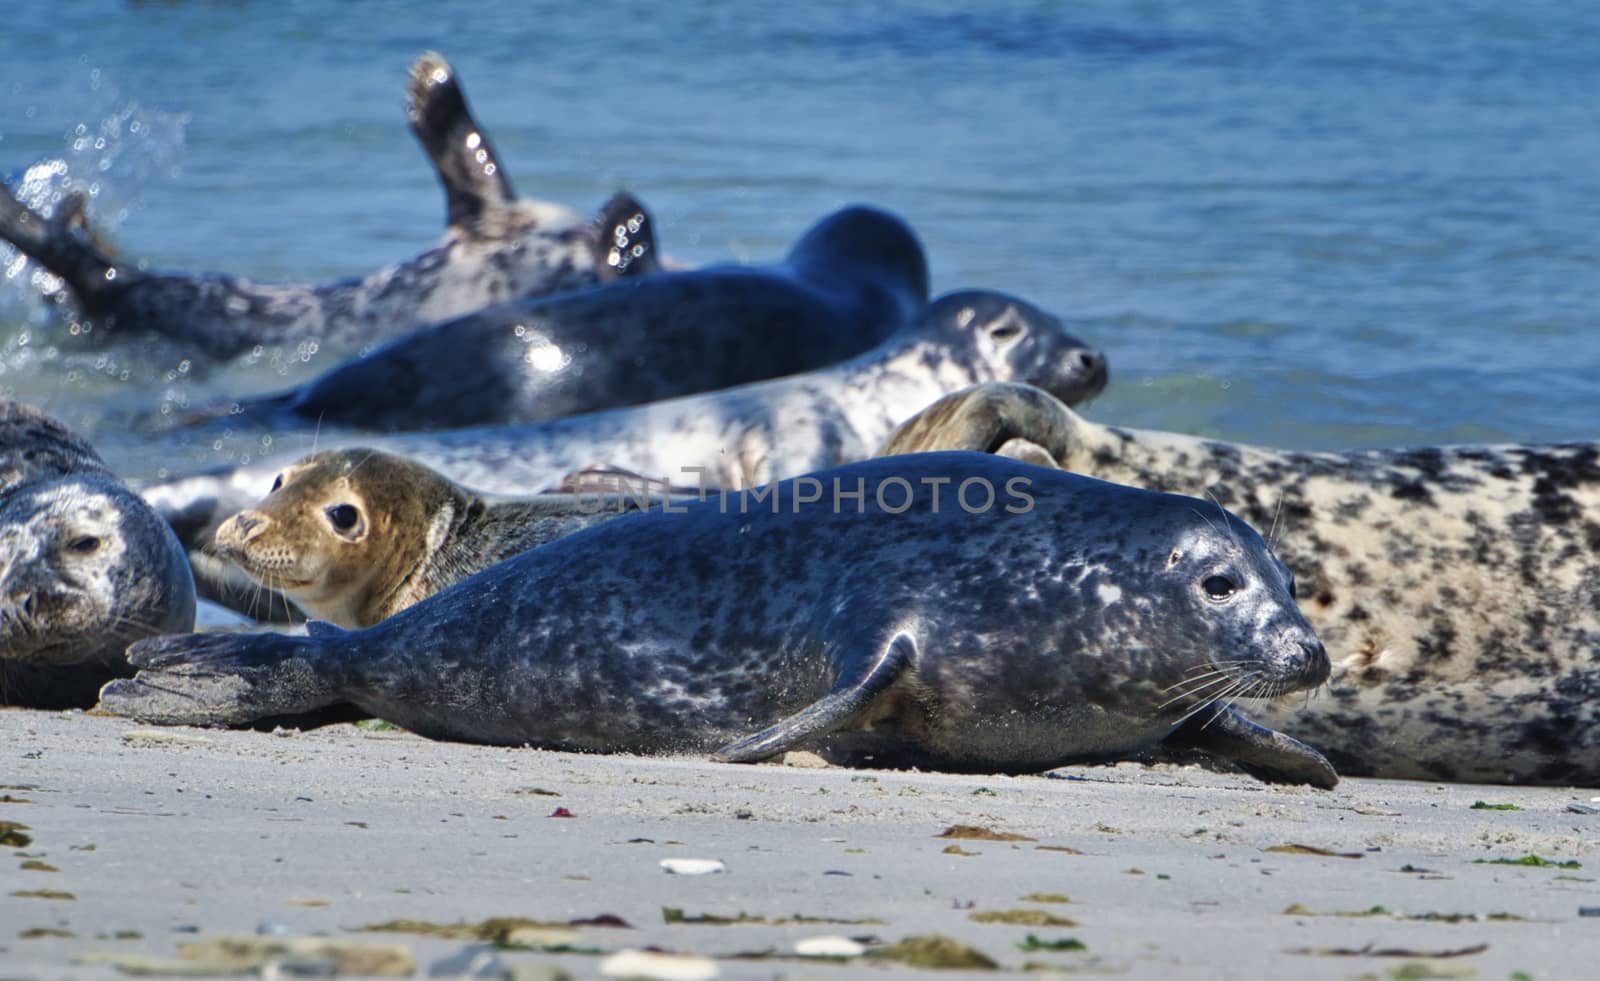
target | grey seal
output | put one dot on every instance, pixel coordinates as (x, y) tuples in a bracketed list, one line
[(1032, 619), (850, 281), (496, 247), (740, 437), (1457, 587), (85, 566), (353, 536)]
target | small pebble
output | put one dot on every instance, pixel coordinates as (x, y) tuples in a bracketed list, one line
[(692, 866), (1583, 809), (1589, 910), (658, 967), (266, 928), (828, 947), (284, 968)]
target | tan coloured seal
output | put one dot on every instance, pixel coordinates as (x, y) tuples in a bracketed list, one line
[(355, 535)]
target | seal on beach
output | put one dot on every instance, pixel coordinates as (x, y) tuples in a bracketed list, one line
[(852, 279), (354, 536), (739, 437), (1457, 587), (956, 611), (497, 247), (85, 567)]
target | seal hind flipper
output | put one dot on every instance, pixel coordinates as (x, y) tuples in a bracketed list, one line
[(1265, 754), (625, 240), (475, 183), (222, 679), (51, 243), (847, 702)]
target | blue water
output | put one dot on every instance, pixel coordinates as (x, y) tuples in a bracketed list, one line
[(1306, 225)]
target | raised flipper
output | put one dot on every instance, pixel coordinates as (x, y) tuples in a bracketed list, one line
[(1261, 752), (850, 699), (625, 242), (223, 679), (51, 243), (475, 183), (986, 419), (1027, 451)]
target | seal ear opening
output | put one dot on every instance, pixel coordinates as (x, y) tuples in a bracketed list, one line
[(850, 699), (625, 240)]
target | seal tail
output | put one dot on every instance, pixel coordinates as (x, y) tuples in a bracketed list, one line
[(475, 182), (224, 679), (89, 272)]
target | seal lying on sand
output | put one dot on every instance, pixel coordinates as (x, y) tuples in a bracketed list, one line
[(1030, 619), (1457, 588), (497, 247), (85, 567), (740, 437), (851, 280), (353, 536)]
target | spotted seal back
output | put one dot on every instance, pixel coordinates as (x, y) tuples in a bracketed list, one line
[(1034, 618), (85, 567), (1457, 587), (497, 247), (740, 437)]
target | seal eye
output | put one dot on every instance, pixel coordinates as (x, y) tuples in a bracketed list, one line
[(276, 483), (84, 545), (1219, 587), (343, 517), (1006, 331)]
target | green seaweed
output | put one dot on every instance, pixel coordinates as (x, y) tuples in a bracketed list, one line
[(1531, 861), (935, 952), (674, 915), (1022, 917), (11, 835), (1479, 805), (1045, 897), (1033, 943)]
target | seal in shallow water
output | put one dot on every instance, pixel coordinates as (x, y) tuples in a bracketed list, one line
[(956, 611), (1457, 587), (497, 247), (353, 536), (854, 278), (85, 567), (740, 437)]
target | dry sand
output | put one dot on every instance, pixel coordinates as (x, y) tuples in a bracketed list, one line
[(172, 836)]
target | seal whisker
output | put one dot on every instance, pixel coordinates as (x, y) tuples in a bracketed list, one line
[(1195, 691), (1272, 533)]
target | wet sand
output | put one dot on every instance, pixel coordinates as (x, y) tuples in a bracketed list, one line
[(163, 837)]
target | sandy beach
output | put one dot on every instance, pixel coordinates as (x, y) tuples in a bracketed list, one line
[(132, 846)]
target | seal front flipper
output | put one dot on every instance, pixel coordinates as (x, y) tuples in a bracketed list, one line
[(851, 697), (1261, 752), (475, 184), (224, 679), (625, 240)]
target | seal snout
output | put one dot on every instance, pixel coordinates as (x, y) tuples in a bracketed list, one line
[(243, 528), (1314, 666)]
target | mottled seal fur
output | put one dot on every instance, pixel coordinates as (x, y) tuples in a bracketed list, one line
[(85, 566), (496, 247), (740, 437), (1457, 587), (1033, 618), (354, 536), (852, 280)]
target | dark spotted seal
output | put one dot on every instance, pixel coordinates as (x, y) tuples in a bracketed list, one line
[(1457, 587), (85, 567), (852, 280), (741, 437), (497, 247), (1029, 618), (353, 536)]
